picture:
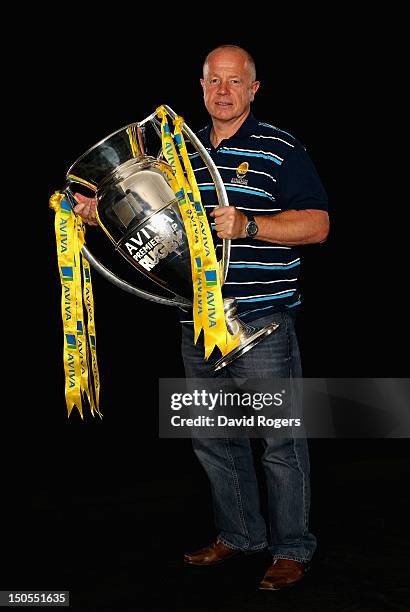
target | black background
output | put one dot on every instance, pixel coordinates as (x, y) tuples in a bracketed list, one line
[(105, 508)]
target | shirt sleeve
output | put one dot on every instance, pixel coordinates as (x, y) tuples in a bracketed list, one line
[(299, 184)]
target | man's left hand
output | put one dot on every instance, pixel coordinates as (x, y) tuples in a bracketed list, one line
[(230, 222)]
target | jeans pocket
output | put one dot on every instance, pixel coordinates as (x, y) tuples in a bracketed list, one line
[(258, 324), (250, 328)]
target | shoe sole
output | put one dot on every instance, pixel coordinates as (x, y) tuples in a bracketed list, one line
[(235, 555), (285, 586), (220, 562)]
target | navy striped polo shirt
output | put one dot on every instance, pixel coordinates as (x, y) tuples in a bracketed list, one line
[(265, 171)]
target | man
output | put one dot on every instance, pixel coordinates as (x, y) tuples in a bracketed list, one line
[(277, 204)]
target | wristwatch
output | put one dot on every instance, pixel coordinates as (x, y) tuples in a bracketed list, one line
[(251, 228)]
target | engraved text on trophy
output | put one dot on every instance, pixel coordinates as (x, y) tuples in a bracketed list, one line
[(155, 241)]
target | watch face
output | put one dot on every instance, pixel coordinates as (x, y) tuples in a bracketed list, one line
[(252, 229)]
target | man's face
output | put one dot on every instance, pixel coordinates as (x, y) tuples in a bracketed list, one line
[(228, 85)]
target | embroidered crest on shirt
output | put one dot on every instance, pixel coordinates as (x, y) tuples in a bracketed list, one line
[(241, 171)]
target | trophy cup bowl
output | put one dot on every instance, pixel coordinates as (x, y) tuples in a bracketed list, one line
[(139, 212)]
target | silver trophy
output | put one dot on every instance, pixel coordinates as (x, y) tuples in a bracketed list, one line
[(139, 212)]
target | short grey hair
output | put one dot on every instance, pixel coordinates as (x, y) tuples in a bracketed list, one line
[(249, 58)]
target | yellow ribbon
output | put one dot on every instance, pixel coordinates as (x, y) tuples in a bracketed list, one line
[(208, 310), (185, 201), (79, 346)]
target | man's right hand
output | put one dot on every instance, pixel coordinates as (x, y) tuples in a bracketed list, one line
[(86, 208)]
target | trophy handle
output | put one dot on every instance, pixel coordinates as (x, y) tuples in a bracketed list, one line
[(177, 300), (220, 187)]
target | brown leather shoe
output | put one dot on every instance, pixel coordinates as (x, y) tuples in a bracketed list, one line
[(283, 573), (215, 553)]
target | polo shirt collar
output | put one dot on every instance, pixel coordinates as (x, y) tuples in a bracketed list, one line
[(247, 128)]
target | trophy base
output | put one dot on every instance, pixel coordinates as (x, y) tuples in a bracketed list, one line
[(247, 339), (245, 346)]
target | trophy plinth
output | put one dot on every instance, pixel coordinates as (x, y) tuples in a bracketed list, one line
[(248, 337)]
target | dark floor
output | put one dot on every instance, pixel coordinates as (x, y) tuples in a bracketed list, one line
[(117, 545)]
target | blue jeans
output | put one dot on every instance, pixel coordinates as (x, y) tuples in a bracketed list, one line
[(229, 462)]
